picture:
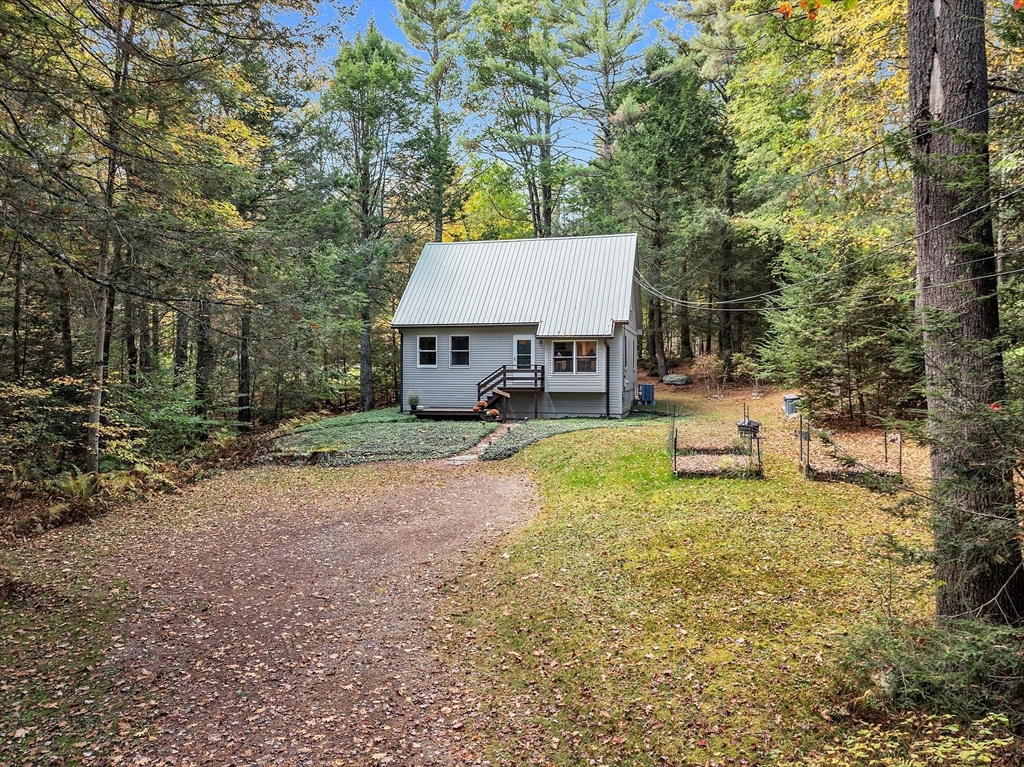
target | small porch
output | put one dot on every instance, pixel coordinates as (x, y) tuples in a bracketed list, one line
[(495, 390)]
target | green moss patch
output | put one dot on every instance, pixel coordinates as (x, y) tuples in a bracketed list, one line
[(380, 435)]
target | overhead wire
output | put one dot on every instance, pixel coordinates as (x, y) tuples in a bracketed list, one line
[(818, 304), (889, 138), (723, 305)]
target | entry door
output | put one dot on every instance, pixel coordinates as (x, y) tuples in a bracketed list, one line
[(522, 351)]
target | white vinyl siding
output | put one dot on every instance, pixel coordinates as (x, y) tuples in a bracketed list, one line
[(448, 386), (568, 379)]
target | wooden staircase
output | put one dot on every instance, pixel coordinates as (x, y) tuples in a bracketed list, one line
[(497, 387), (494, 389)]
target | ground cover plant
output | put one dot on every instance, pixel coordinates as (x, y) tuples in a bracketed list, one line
[(525, 434), (648, 619), (379, 435)]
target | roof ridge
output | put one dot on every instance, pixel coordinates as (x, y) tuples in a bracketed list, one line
[(533, 239)]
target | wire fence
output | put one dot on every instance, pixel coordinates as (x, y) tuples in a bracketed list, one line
[(833, 461), (742, 458)]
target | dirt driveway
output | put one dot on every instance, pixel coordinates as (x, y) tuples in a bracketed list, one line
[(292, 616)]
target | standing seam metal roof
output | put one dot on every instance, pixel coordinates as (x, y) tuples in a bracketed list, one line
[(569, 287)]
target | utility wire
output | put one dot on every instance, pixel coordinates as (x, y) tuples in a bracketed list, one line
[(812, 304), (889, 138), (721, 305)]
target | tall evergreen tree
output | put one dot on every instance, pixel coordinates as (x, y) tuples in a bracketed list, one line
[(368, 112), (433, 27), (977, 532), (518, 80)]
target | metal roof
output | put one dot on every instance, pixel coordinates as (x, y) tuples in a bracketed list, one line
[(570, 287)]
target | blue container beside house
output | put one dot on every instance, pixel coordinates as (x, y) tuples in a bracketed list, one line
[(789, 403), (646, 394)]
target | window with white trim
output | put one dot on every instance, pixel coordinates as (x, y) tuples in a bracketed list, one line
[(575, 356), (426, 352), (459, 351)]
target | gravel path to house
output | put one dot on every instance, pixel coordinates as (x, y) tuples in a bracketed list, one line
[(303, 625)]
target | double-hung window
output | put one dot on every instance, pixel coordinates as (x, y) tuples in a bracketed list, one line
[(426, 351), (459, 352), (586, 356), (575, 356)]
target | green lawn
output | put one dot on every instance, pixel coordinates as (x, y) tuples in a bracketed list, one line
[(380, 435), (525, 434), (645, 619)]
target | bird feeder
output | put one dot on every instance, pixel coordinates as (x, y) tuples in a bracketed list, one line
[(747, 427)]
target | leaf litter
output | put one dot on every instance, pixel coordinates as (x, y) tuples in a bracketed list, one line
[(268, 616)]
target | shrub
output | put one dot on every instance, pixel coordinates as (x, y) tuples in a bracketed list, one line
[(966, 669), (922, 741)]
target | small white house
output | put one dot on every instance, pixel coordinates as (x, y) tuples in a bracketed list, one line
[(538, 328)]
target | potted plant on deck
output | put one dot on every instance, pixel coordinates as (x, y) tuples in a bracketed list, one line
[(414, 400)]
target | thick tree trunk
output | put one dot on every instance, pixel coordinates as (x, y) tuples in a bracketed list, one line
[(977, 545), (656, 335), (685, 341)]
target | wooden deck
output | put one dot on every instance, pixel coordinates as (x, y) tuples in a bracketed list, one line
[(447, 413)]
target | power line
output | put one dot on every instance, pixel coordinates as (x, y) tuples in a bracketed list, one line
[(814, 304), (721, 305), (889, 138)]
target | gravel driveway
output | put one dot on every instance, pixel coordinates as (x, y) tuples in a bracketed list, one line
[(292, 615)]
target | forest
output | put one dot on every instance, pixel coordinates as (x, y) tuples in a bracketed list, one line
[(209, 211), (204, 228)]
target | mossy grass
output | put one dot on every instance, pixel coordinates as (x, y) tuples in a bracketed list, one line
[(643, 619), (525, 434), (379, 435), (61, 696)]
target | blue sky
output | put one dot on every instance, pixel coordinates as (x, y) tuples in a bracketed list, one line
[(382, 12)]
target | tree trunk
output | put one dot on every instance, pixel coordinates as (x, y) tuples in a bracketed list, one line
[(244, 369), (656, 335), (438, 176), (978, 555), (365, 361), (725, 330), (180, 347), (155, 337), (17, 348), (64, 312), (131, 348), (98, 362), (145, 342), (109, 247), (108, 325), (204, 360)]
